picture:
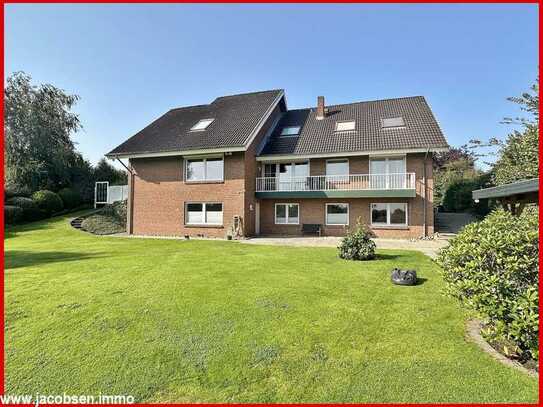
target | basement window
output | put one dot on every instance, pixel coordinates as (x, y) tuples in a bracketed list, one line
[(290, 131), (392, 123), (346, 126), (202, 125)]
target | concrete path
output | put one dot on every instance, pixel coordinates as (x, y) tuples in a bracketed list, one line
[(428, 247)]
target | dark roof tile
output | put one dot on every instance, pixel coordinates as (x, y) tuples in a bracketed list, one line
[(319, 136), (235, 118)]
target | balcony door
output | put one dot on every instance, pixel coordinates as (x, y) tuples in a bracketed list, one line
[(286, 176), (387, 173)]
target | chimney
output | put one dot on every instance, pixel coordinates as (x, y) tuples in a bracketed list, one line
[(320, 108)]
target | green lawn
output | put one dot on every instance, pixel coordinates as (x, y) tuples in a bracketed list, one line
[(206, 321)]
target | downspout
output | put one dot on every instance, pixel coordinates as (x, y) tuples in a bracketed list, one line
[(424, 210)]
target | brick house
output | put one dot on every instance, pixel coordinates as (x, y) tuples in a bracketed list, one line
[(245, 164)]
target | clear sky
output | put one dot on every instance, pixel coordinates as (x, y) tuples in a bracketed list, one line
[(132, 63)]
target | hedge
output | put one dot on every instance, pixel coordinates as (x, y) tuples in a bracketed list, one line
[(70, 198), (12, 214), (492, 268), (48, 201), (21, 202)]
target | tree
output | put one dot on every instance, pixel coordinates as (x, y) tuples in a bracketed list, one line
[(38, 123), (454, 154), (104, 171), (518, 157)]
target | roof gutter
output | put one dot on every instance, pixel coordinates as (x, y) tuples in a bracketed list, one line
[(177, 153)]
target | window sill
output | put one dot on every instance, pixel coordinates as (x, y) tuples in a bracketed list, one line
[(394, 227), (204, 182), (192, 225)]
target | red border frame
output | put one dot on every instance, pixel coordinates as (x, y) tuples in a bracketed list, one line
[(2, 338)]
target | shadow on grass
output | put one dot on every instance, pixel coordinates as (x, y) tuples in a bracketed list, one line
[(382, 256), (12, 231), (21, 258)]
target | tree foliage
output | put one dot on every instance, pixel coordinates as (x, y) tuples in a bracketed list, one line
[(38, 124), (104, 171)]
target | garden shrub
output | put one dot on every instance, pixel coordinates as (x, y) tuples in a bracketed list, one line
[(357, 244), (48, 201), (70, 198), (31, 212), (21, 202), (492, 268), (12, 214), (11, 190), (34, 214)]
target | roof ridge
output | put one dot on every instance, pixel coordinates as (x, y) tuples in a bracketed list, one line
[(370, 101), (249, 93)]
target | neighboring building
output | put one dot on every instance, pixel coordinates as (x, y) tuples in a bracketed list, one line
[(248, 160), (513, 196)]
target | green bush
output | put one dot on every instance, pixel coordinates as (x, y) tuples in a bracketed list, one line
[(357, 244), (34, 214), (48, 201), (11, 190), (458, 196), (12, 214), (70, 198), (492, 268), (21, 202)]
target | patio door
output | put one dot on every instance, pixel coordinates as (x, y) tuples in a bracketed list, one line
[(387, 173)]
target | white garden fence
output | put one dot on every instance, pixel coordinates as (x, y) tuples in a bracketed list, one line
[(107, 194)]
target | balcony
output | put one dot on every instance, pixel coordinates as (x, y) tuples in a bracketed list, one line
[(338, 186)]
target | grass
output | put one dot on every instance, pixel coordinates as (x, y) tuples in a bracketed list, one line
[(218, 321)]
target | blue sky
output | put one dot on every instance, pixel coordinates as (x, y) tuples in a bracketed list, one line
[(132, 63)]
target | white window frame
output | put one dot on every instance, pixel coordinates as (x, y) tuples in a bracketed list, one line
[(332, 160), (195, 127), (345, 121), (388, 224), (204, 159), (204, 213), (283, 134), (308, 162), (286, 212), (336, 224), (387, 158)]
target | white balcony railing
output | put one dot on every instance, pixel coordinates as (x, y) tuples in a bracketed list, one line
[(353, 182)]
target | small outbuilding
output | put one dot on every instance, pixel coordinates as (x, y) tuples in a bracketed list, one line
[(513, 197)]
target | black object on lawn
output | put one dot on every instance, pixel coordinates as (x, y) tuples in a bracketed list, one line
[(403, 277)]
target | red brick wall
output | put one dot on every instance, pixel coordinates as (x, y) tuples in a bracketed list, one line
[(313, 210), (252, 170), (160, 194)]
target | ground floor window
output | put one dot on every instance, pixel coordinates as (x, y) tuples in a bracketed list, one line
[(389, 214), (203, 213), (337, 214), (287, 214)]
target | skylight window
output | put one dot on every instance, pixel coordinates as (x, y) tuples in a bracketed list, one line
[(201, 125), (346, 126), (392, 122), (290, 131)]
